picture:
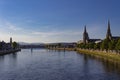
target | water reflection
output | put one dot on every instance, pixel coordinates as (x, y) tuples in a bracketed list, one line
[(2, 59), (111, 67), (31, 50), (108, 66), (85, 65), (11, 60), (12, 57), (46, 64)]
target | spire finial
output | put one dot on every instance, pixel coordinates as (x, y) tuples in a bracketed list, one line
[(85, 29), (108, 23)]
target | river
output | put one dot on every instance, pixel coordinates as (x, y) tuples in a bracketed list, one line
[(43, 64)]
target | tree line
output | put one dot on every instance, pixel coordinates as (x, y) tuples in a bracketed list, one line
[(106, 44)]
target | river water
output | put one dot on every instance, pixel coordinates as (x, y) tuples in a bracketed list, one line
[(43, 64)]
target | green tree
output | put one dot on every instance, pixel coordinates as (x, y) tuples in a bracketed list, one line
[(91, 45), (105, 44), (1, 46), (97, 46), (81, 45), (118, 45), (86, 46), (59, 45), (112, 45), (15, 45)]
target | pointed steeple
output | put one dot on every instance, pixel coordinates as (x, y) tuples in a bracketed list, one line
[(109, 35), (85, 31), (85, 35)]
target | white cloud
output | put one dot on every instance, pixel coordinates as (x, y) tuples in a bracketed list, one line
[(50, 34), (57, 33), (6, 25), (12, 27)]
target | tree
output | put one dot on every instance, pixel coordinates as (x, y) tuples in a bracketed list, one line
[(1, 46), (82, 45), (112, 45), (105, 44), (86, 46), (97, 46), (91, 45), (15, 45), (59, 45), (118, 45)]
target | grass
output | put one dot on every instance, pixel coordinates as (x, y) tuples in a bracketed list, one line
[(109, 56), (100, 54)]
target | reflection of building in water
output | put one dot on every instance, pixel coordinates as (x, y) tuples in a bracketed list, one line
[(108, 66), (86, 68), (31, 50), (111, 66)]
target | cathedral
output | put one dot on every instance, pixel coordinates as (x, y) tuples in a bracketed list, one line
[(86, 38), (109, 35)]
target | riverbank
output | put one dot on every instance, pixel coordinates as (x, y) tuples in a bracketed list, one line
[(101, 54), (106, 55), (68, 49), (9, 51)]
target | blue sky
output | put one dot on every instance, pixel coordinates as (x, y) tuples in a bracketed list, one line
[(57, 20)]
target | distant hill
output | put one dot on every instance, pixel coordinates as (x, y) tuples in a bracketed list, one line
[(42, 45), (25, 43), (31, 45)]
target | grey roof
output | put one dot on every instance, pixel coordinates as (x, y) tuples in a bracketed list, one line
[(116, 37), (94, 40)]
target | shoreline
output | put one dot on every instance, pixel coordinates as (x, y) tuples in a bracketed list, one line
[(106, 55), (9, 51), (100, 54), (68, 49)]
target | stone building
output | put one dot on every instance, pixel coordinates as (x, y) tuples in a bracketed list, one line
[(6, 46), (86, 38), (109, 34)]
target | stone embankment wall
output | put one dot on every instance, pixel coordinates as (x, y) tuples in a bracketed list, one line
[(9, 51)]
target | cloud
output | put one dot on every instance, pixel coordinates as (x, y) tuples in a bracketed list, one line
[(56, 33), (12, 27), (46, 33), (6, 25)]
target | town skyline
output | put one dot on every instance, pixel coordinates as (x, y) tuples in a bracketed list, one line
[(57, 21), (108, 32)]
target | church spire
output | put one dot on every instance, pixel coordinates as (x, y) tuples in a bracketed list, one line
[(85, 31), (109, 35), (85, 36)]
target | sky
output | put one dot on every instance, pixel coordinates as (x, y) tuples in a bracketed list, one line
[(50, 21)]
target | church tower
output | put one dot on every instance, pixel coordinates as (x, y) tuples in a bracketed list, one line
[(109, 35), (11, 41), (85, 36)]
